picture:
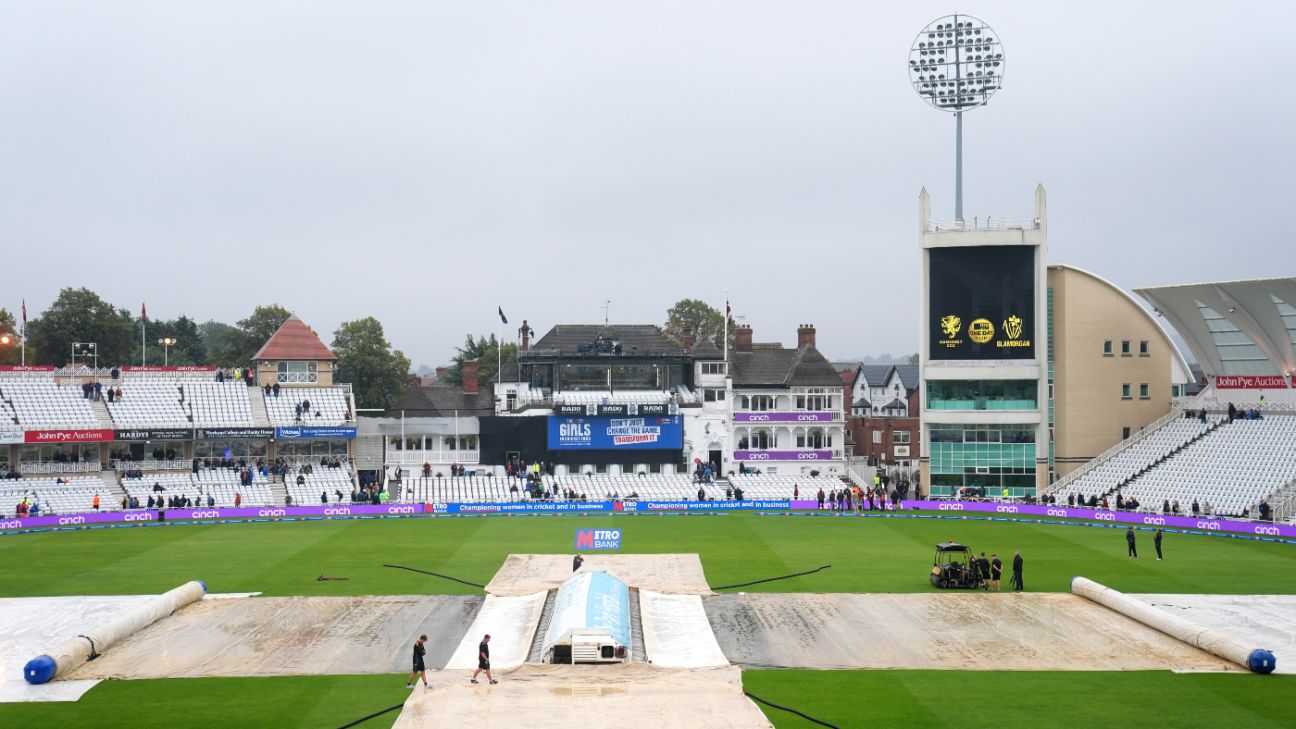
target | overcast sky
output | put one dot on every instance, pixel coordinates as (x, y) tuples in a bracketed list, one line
[(424, 162)]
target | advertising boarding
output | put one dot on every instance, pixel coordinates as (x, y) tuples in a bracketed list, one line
[(615, 434)]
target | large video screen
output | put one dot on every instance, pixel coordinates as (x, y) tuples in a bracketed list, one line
[(616, 433), (982, 302)]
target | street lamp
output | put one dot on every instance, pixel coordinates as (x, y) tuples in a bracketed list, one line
[(84, 350), (957, 63), (167, 343)]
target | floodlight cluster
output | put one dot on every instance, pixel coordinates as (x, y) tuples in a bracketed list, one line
[(956, 63)]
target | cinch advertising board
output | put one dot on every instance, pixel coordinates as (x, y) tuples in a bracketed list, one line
[(628, 433), (981, 303)]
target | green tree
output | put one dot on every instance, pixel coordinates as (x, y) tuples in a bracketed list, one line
[(912, 359), (79, 315), (10, 353), (224, 345), (486, 350), (189, 347), (377, 372), (220, 342), (698, 319)]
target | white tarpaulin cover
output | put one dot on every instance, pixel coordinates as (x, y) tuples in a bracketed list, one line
[(674, 574), (621, 695), (1006, 631), (1263, 620), (511, 623), (291, 636), (1221, 644), (99, 638), (676, 631)]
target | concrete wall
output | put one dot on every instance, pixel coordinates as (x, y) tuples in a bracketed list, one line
[(1089, 411)]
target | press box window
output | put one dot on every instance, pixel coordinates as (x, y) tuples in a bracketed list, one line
[(713, 368)]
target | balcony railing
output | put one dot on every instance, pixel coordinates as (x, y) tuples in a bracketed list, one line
[(82, 467), (435, 458), (971, 224)]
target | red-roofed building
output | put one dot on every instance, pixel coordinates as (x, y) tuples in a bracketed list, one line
[(295, 355)]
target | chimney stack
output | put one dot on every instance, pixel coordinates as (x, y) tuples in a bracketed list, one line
[(743, 338), (469, 372), (687, 340), (442, 372), (805, 335)]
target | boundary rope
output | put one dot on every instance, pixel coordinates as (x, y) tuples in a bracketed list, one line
[(790, 710), (434, 574), (363, 719), (772, 579)]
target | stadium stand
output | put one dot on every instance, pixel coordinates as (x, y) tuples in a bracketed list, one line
[(628, 397), (1139, 456), (326, 406), (320, 479), (74, 495), (218, 403), (221, 483), (151, 404), (1233, 468), (44, 404), (780, 487)]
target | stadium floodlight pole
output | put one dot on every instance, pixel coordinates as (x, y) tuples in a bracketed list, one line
[(167, 343), (956, 64)]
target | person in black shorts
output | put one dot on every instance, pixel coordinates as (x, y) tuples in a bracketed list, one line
[(483, 660), (419, 669), (983, 567), (996, 571), (1129, 541)]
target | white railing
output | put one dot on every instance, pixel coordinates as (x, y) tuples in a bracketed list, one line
[(1287, 507), (938, 226), (84, 467), (1108, 454), (149, 465), (418, 458)]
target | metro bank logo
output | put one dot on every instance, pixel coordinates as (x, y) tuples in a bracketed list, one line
[(596, 539)]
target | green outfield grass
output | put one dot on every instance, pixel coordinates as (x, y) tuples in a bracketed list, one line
[(867, 554), (283, 702), (1019, 700)]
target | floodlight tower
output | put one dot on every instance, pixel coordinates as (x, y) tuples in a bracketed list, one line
[(957, 63)]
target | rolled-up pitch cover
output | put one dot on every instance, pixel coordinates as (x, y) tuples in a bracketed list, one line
[(1259, 660), (87, 646)]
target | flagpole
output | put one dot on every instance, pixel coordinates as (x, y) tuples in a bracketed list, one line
[(726, 326), (143, 346)]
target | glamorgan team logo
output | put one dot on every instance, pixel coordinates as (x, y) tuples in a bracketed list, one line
[(1012, 327), (981, 331)]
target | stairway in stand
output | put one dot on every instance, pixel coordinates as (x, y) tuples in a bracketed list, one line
[(279, 493), (115, 491), (101, 414), (260, 418)]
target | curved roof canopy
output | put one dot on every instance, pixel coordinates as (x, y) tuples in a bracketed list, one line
[(1233, 327)]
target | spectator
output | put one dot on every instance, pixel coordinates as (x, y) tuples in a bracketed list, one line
[(238, 499), (323, 496)]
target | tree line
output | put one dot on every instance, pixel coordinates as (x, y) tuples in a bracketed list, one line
[(376, 371)]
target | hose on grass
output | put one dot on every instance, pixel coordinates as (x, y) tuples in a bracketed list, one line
[(772, 579), (363, 719), (790, 710), (434, 574)]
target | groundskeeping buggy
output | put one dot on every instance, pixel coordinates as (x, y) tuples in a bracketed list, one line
[(954, 567)]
